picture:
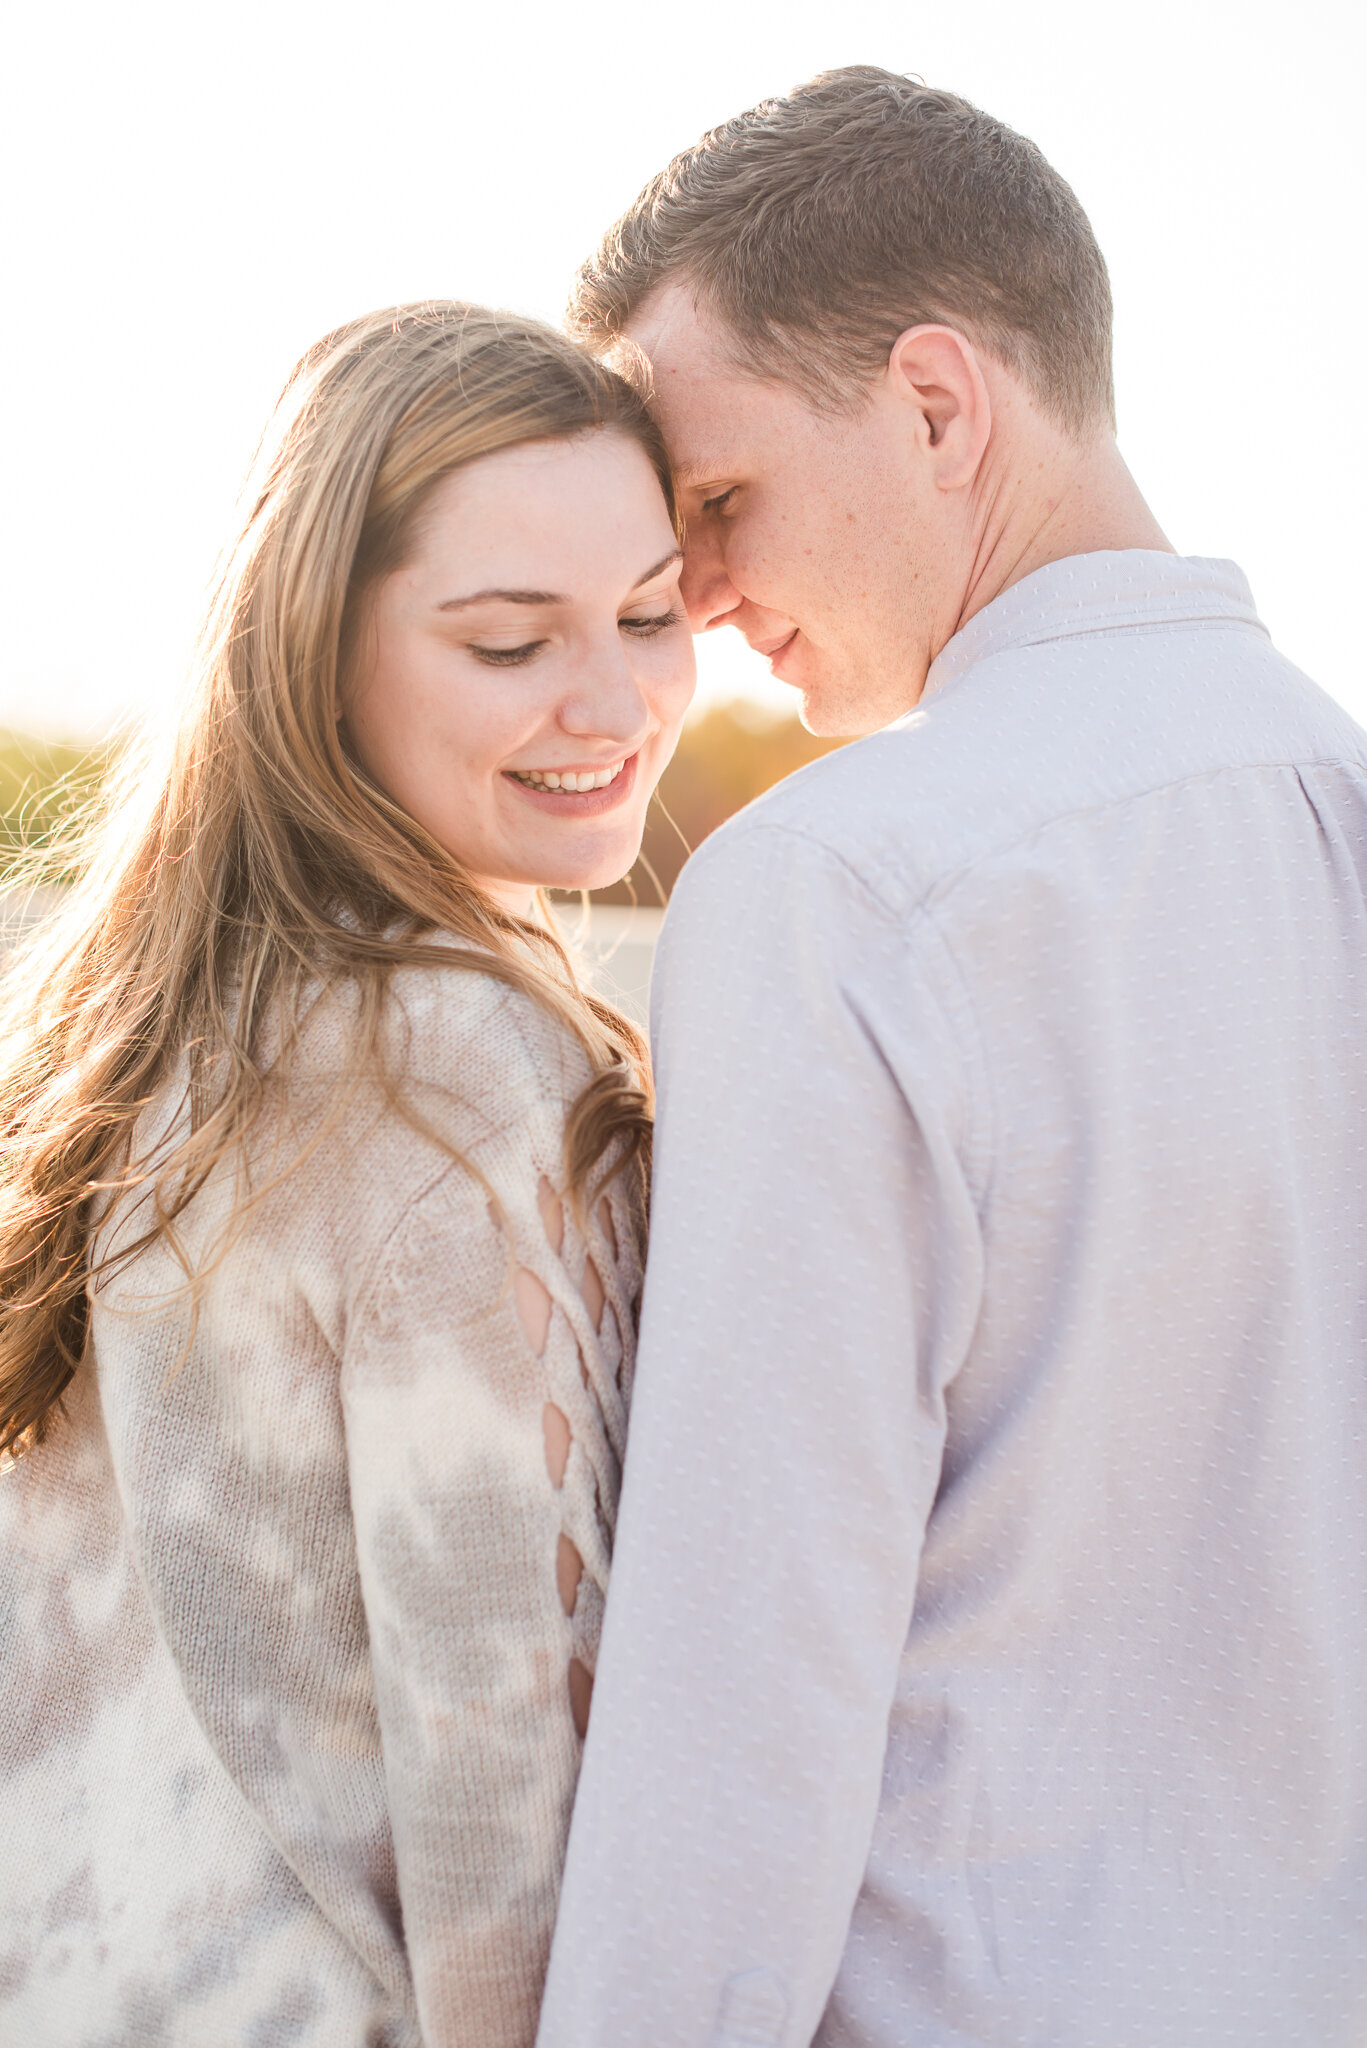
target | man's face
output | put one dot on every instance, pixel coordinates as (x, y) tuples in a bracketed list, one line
[(820, 536)]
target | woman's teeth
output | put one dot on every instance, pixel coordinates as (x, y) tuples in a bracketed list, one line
[(547, 778)]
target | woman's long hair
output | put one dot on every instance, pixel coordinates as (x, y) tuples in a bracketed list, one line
[(218, 893)]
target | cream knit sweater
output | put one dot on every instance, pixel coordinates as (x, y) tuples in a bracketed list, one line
[(286, 1744)]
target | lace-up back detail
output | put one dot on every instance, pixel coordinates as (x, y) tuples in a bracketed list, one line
[(576, 1296)]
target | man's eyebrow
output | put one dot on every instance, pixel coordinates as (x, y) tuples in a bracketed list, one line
[(690, 475), (458, 604)]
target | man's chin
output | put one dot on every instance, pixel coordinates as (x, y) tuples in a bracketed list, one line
[(816, 721), (831, 711), (847, 707)]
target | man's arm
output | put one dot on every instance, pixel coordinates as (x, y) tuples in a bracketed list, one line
[(814, 1278)]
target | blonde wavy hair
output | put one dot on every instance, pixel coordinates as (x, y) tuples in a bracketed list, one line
[(218, 893)]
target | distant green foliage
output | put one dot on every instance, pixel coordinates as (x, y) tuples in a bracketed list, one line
[(44, 785), (728, 755)]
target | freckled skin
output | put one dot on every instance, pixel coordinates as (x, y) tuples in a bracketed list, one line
[(850, 547)]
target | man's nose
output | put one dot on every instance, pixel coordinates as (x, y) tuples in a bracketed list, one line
[(709, 595)]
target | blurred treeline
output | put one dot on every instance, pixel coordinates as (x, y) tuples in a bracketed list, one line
[(729, 754), (44, 784)]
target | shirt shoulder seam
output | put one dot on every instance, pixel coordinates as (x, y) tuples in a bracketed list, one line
[(961, 1016), (941, 885)]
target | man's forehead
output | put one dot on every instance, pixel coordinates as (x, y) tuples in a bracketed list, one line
[(673, 333), (708, 408)]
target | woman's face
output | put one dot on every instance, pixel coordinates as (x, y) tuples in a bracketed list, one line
[(519, 683)]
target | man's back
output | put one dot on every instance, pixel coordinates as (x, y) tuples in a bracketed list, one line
[(1010, 1456)]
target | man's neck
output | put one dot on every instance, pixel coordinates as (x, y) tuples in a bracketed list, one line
[(1086, 501)]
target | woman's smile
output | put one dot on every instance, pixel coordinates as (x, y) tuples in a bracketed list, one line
[(571, 780), (576, 792)]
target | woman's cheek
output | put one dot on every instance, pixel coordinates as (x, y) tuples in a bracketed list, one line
[(681, 677)]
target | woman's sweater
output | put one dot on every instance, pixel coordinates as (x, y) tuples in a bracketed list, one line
[(287, 1749)]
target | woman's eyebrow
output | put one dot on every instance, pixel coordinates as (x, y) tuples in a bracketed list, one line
[(674, 555), (456, 604)]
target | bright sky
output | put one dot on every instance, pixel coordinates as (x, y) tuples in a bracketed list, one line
[(196, 193)]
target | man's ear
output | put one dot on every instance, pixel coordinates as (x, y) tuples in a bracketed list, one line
[(935, 370)]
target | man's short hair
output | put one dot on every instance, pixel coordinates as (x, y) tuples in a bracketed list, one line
[(820, 226)]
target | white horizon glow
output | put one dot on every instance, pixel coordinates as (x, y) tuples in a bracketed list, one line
[(196, 196)]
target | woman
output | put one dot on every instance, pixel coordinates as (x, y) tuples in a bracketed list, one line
[(321, 1231)]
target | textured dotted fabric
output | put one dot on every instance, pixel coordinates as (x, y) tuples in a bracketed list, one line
[(986, 1665), (287, 1748)]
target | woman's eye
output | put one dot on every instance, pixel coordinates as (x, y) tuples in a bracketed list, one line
[(722, 498), (645, 629), (506, 657)]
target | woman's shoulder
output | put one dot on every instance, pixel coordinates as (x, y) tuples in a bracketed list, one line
[(454, 1039), (466, 1071), (466, 1026), (479, 1078)]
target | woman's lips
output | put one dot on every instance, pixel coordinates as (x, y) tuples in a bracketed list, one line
[(579, 803)]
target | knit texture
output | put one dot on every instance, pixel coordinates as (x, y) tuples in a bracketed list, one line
[(286, 1739)]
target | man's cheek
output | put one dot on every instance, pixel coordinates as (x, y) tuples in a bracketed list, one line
[(761, 565)]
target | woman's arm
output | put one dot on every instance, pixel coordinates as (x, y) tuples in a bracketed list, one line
[(483, 1473)]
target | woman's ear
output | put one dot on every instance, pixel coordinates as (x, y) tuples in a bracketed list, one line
[(935, 371)]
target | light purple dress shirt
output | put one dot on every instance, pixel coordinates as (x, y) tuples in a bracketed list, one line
[(986, 1661)]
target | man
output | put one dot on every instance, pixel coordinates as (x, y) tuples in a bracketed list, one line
[(984, 1661)]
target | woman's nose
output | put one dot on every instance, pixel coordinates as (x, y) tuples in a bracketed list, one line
[(608, 702)]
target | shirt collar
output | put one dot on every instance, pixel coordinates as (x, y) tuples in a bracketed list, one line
[(1106, 592)]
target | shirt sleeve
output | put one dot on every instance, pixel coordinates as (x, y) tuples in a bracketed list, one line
[(814, 1276), (459, 1529)]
